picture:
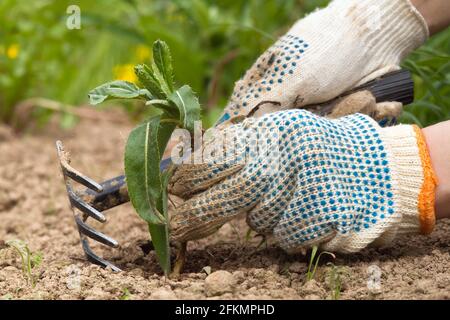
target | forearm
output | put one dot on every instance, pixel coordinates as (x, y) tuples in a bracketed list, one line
[(435, 12), (438, 141)]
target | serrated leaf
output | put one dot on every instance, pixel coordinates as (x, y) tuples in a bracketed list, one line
[(117, 90), (188, 106), (163, 61), (146, 76)]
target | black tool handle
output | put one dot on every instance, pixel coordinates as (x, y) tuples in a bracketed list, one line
[(394, 86)]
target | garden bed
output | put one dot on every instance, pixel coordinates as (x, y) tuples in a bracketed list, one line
[(34, 208)]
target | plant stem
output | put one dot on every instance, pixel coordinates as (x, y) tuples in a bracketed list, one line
[(179, 261)]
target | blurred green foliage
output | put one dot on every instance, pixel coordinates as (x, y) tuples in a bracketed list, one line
[(212, 42)]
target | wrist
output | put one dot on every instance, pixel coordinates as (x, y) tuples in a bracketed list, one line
[(416, 181)]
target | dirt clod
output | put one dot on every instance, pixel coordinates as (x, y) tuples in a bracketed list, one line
[(163, 294), (219, 282), (298, 267)]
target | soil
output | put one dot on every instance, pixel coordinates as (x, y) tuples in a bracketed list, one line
[(34, 208)]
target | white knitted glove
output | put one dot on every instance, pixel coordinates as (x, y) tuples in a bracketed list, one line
[(330, 51), (307, 180)]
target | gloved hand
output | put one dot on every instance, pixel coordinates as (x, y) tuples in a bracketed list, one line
[(342, 184), (330, 51)]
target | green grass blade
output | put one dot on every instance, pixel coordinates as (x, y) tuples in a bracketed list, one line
[(309, 274)]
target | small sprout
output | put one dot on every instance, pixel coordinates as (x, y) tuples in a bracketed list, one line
[(285, 270), (7, 296), (262, 242), (126, 295), (36, 259), (312, 270), (29, 259), (335, 280), (248, 235)]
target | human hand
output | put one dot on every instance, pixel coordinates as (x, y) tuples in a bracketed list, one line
[(342, 184), (325, 54)]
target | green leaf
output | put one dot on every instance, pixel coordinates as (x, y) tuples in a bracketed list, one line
[(188, 106), (145, 146), (146, 185), (160, 78), (160, 233), (160, 240), (164, 105), (117, 90), (163, 61), (146, 76)]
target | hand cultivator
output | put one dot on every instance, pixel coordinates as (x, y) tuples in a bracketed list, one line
[(99, 197)]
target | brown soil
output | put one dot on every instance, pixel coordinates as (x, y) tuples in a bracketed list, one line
[(34, 208)]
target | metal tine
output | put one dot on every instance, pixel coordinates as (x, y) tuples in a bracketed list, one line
[(94, 234), (73, 173), (93, 258), (78, 203), (114, 193)]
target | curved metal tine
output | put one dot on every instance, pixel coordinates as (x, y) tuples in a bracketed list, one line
[(94, 234), (92, 257), (78, 203), (114, 193), (72, 173)]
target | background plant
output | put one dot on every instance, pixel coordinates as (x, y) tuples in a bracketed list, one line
[(212, 42), (314, 262), (29, 259), (334, 278)]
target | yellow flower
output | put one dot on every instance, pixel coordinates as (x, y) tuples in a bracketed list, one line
[(124, 72), (13, 51), (143, 53)]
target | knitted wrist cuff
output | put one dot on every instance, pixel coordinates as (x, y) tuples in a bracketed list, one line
[(416, 181)]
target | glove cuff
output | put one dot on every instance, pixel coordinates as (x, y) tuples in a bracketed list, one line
[(415, 178)]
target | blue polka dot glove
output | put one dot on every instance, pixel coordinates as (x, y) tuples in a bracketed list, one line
[(330, 51), (307, 180)]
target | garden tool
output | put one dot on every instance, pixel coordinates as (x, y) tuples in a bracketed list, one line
[(97, 198)]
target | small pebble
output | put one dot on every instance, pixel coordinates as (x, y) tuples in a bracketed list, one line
[(219, 282)]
